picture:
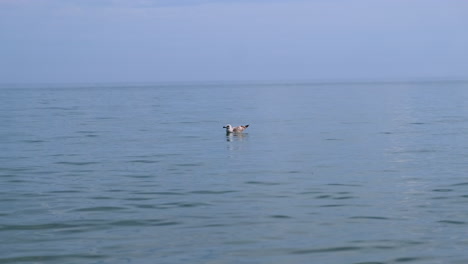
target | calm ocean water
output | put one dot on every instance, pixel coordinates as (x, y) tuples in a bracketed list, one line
[(326, 173)]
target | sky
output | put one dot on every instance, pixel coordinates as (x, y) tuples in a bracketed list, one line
[(112, 41)]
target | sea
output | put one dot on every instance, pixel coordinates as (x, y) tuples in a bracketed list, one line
[(329, 173)]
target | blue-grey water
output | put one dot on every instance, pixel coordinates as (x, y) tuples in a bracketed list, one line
[(326, 173)]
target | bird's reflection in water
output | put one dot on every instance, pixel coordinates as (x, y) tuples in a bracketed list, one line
[(236, 136)]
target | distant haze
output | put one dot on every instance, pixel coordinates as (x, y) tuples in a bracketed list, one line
[(56, 41)]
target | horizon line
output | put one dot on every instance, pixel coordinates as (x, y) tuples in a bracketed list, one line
[(228, 82)]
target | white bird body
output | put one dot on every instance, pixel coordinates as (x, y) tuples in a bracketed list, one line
[(237, 129)]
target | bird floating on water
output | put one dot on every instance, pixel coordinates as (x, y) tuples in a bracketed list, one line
[(237, 129)]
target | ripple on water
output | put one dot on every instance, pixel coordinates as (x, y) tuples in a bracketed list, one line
[(332, 205), (65, 191), (262, 183), (35, 226), (460, 184), (281, 216), (100, 209), (53, 258), (334, 197), (370, 217), (141, 176), (344, 184), (33, 141), (442, 190), (189, 164), (173, 205), (212, 192), (417, 123), (102, 198), (372, 262), (452, 222), (76, 163), (146, 222), (326, 250), (143, 161), (408, 259), (15, 169), (162, 193)]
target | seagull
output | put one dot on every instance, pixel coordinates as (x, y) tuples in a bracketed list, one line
[(237, 129)]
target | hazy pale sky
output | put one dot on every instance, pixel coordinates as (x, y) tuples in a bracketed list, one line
[(232, 40)]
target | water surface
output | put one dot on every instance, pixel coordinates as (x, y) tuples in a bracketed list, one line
[(342, 173)]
